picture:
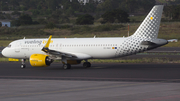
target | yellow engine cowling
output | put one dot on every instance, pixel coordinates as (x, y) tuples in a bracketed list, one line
[(73, 62), (40, 60)]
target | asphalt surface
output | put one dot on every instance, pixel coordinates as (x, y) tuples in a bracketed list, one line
[(98, 72), (101, 82)]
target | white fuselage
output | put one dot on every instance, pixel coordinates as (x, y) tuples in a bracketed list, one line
[(94, 47), (83, 48)]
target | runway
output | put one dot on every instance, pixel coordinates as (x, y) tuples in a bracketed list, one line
[(106, 72), (101, 82)]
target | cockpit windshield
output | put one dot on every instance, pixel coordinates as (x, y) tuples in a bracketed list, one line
[(9, 46)]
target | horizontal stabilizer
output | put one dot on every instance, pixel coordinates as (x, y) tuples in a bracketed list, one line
[(154, 43), (148, 43), (173, 40)]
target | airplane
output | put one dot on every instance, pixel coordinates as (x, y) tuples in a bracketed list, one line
[(41, 52)]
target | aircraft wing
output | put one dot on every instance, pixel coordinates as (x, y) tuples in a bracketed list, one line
[(63, 54), (58, 53)]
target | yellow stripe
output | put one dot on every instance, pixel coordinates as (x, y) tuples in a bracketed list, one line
[(48, 42)]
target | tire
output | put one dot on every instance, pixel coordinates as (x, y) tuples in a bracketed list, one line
[(67, 66), (86, 64), (23, 66), (89, 64)]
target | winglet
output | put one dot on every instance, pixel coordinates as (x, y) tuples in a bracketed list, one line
[(46, 47), (48, 42)]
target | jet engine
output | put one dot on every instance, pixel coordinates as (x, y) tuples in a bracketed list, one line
[(40, 60), (73, 62)]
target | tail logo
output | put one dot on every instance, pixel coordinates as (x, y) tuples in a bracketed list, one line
[(151, 18)]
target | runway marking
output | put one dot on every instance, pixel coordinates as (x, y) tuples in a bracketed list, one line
[(71, 90)]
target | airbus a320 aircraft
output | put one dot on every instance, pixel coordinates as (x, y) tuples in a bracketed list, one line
[(42, 52)]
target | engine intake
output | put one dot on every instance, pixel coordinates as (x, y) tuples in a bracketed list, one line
[(40, 60)]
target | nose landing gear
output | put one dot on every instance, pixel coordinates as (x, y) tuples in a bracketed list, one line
[(23, 63)]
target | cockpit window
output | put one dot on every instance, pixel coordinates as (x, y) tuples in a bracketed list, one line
[(9, 46)]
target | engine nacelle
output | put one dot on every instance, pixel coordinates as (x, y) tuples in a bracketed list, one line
[(40, 60), (73, 62)]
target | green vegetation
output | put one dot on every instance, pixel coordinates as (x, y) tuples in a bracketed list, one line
[(161, 1), (92, 29), (85, 20), (50, 25), (115, 16), (142, 60), (4, 43), (168, 30), (27, 12), (4, 59)]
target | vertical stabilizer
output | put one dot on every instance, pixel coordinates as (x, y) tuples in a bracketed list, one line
[(149, 28)]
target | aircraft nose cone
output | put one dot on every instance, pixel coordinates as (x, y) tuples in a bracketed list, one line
[(4, 52)]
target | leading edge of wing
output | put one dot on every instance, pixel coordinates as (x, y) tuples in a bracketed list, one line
[(65, 54), (71, 55)]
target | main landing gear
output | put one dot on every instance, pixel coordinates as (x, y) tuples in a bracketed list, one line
[(67, 66), (23, 63), (85, 64)]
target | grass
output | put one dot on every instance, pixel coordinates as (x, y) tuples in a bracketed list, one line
[(2, 59), (168, 30), (162, 1), (4, 43), (140, 60)]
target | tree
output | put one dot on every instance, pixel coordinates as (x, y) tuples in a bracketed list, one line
[(42, 21), (52, 4), (15, 23), (16, 13), (14, 4), (116, 15), (85, 19), (106, 5), (35, 12), (2, 17), (64, 19), (172, 12), (50, 25), (25, 19), (176, 13), (0, 24)]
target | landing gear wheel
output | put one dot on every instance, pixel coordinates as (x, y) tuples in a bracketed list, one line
[(23, 66), (67, 66), (23, 63), (86, 64)]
